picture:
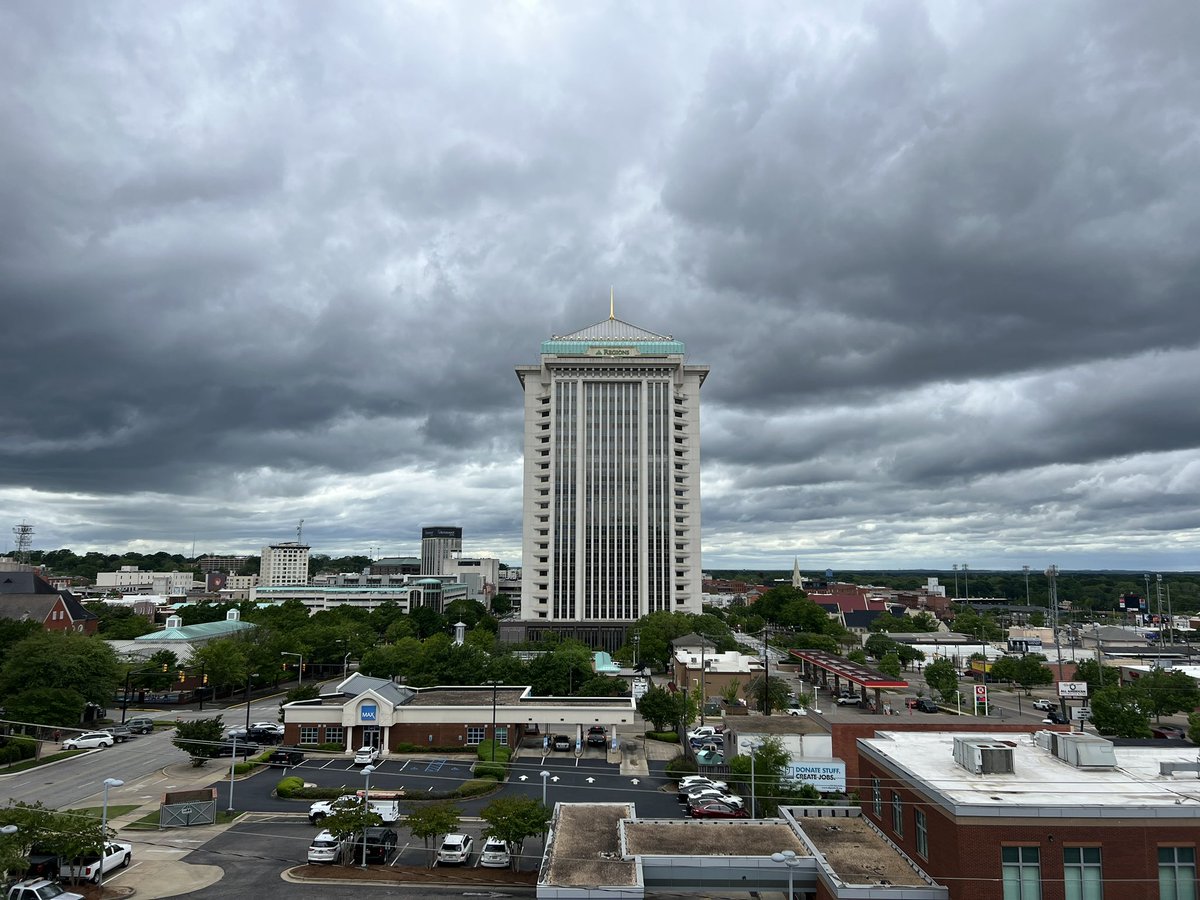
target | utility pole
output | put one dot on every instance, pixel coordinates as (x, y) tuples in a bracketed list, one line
[(1026, 568), (955, 567)]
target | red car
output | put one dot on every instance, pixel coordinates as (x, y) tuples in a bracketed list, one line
[(716, 810)]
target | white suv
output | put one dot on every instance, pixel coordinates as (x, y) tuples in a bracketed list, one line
[(325, 848), (455, 849), (89, 740), (495, 854)]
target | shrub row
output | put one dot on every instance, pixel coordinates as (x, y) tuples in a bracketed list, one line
[(670, 737), (292, 788), (18, 748)]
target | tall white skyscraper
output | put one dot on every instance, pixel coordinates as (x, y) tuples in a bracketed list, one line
[(438, 544), (284, 565), (612, 477)]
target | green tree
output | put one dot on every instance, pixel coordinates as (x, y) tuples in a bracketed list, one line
[(73, 662), (662, 708), (225, 662), (46, 706), (731, 691), (199, 739), (770, 765), (857, 656), (879, 645), (501, 605), (890, 665), (513, 819), (431, 822), (1117, 711), (909, 655), (1163, 692), (1031, 671), (941, 676), (1193, 731), (767, 692), (1095, 675)]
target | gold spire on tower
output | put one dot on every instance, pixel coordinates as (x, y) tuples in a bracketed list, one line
[(611, 315)]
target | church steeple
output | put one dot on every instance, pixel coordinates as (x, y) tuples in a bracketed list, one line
[(797, 578)]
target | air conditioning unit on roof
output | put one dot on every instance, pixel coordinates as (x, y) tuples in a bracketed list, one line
[(983, 757)]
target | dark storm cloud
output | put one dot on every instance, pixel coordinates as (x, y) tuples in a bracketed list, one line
[(271, 263)]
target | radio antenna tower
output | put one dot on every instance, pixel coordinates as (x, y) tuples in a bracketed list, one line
[(300, 532), (24, 535)]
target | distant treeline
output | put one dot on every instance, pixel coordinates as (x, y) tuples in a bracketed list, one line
[(1084, 590)]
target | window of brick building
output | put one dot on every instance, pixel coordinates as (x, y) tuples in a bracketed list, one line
[(1177, 873), (1082, 878), (502, 735), (877, 791), (476, 734), (308, 734), (1022, 873), (335, 734), (922, 833), (897, 815)]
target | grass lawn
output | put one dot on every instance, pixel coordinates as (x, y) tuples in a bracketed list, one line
[(34, 763)]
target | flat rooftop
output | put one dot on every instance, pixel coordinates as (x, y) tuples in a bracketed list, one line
[(505, 696), (857, 853), (586, 846), (1040, 779), (688, 837)]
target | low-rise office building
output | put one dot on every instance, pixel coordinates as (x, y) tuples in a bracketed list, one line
[(1050, 814), (362, 710), (432, 592)]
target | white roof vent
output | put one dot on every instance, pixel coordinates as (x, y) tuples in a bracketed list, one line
[(983, 757), (174, 621), (233, 615)]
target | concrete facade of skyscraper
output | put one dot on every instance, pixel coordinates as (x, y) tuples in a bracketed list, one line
[(438, 543), (284, 564), (611, 513)]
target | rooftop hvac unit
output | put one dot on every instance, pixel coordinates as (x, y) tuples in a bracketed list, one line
[(983, 757), (1085, 751)]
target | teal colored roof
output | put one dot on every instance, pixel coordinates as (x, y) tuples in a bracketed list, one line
[(193, 632), (612, 334), (602, 662)]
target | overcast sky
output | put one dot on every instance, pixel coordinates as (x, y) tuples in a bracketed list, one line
[(263, 262)]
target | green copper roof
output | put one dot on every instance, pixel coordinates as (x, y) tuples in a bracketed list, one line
[(192, 632), (610, 337)]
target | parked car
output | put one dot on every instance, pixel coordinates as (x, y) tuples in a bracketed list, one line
[(560, 742), (325, 848), (926, 705), (264, 735), (495, 854), (366, 756), (285, 756), (698, 798), (40, 889), (1044, 705), (455, 850), (42, 863), (87, 868), (267, 726), (140, 725), (716, 809), (242, 734), (89, 740), (1054, 717), (381, 844), (1168, 732), (596, 736), (846, 698), (797, 711), (120, 733), (704, 732)]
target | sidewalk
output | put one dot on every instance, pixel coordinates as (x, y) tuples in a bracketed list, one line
[(158, 869)]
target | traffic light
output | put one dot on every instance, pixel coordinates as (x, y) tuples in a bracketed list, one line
[(165, 667), (205, 681), (285, 665), (181, 676)]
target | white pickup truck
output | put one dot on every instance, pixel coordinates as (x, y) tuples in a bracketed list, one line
[(385, 803)]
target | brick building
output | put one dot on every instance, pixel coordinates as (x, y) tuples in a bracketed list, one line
[(26, 596), (1049, 816), (376, 711)]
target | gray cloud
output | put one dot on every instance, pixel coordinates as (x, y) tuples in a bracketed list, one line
[(266, 264)]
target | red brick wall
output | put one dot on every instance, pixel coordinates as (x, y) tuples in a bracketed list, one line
[(965, 857), (444, 735)]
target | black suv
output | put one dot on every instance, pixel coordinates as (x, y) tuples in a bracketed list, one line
[(285, 756), (926, 705), (381, 844)]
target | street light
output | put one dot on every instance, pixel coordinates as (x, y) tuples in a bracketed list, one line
[(752, 747), (1026, 568), (249, 675), (345, 664), (299, 680), (108, 783), (788, 858), (367, 770), (545, 773), (493, 683)]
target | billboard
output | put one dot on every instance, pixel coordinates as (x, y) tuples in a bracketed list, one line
[(826, 775), (441, 531), (1073, 690)]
